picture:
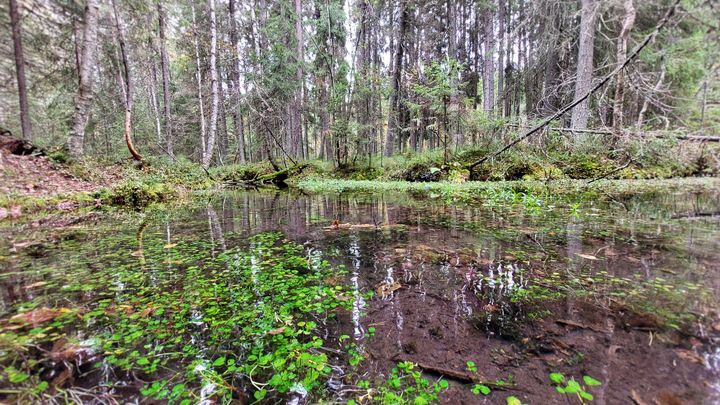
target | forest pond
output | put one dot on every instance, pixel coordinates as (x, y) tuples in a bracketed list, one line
[(282, 297)]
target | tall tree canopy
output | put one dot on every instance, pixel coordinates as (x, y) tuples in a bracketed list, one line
[(233, 81)]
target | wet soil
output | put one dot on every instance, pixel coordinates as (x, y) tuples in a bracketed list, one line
[(440, 318)]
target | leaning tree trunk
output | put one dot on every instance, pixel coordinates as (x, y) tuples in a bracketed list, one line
[(84, 97), (621, 55), (127, 86), (583, 83), (207, 156), (165, 66), (20, 69)]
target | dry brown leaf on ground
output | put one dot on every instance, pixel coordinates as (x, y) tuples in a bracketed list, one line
[(39, 315)]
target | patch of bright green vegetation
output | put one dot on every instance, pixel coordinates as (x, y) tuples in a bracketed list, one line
[(250, 316), (572, 387), (405, 385)]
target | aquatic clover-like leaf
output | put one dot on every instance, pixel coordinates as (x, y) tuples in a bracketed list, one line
[(512, 400), (573, 387), (557, 378), (481, 389), (591, 381)]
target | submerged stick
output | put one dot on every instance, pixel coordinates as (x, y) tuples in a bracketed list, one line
[(459, 376)]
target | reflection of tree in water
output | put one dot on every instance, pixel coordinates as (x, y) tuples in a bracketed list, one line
[(500, 315)]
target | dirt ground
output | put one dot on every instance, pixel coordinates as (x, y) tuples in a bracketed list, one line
[(36, 176)]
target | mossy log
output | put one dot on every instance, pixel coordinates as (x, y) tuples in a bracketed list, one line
[(278, 178)]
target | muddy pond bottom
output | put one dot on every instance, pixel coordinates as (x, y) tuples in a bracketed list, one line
[(368, 298)]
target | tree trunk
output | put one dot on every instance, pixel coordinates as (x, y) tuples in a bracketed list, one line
[(621, 55), (393, 118), (207, 156), (126, 84), (501, 56), (646, 101), (489, 63), (84, 97), (235, 87), (222, 135), (165, 66), (198, 77), (154, 102), (583, 83), (152, 87), (20, 70), (298, 107)]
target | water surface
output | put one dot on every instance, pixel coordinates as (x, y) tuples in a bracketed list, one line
[(520, 289)]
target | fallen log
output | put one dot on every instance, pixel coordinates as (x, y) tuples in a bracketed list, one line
[(15, 146), (277, 178), (457, 375)]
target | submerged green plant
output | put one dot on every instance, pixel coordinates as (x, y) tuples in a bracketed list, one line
[(572, 387), (405, 385), (250, 315)]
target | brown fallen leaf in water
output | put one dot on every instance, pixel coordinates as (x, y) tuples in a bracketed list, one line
[(277, 331), (35, 285), (668, 398), (147, 311), (169, 245), (64, 351), (613, 349), (636, 398), (589, 257), (61, 379), (39, 315), (386, 289), (690, 355)]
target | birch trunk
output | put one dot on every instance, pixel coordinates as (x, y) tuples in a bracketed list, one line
[(235, 87), (621, 55), (207, 157), (489, 63), (583, 83), (198, 77), (84, 96), (165, 66)]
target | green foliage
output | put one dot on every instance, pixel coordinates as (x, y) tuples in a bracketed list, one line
[(405, 385), (258, 306), (480, 389), (572, 387)]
